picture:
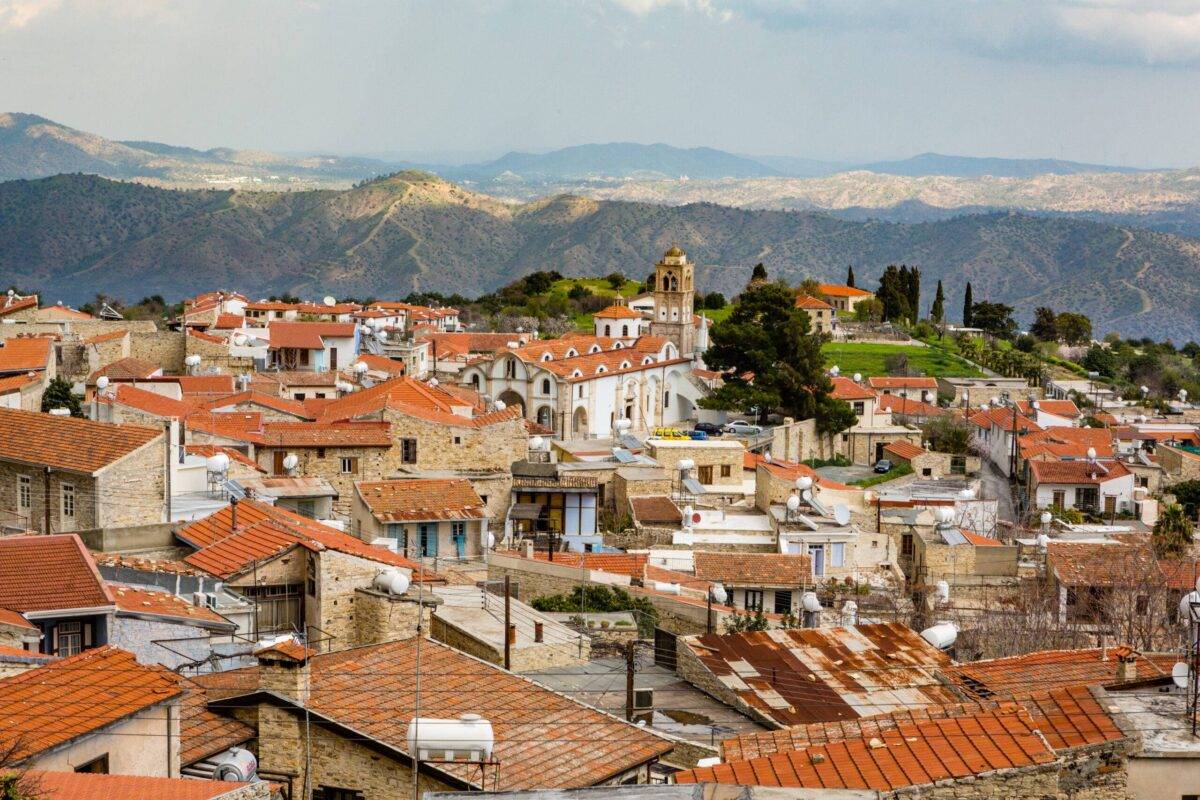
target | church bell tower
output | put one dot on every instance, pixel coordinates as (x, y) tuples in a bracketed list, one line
[(673, 300)]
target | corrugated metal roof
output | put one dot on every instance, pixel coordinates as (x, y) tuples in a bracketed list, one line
[(794, 676)]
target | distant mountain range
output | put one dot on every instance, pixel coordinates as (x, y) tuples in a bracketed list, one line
[(72, 235)]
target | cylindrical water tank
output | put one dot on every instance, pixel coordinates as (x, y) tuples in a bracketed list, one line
[(793, 502), (392, 582), (236, 764), (666, 588), (218, 463), (291, 461), (468, 738), (941, 635), (849, 613)]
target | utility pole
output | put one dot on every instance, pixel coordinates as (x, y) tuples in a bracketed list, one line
[(507, 622), (629, 673)]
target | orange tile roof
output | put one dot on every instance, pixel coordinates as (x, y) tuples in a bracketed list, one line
[(1061, 408), (978, 540), (1002, 418), (846, 389), (362, 433), (240, 426), (91, 786), (198, 386), (633, 564), (25, 353), (202, 732), (808, 302), (229, 321), (257, 398), (617, 311), (414, 398), (911, 408), (543, 739), (52, 705), (902, 382), (290, 649), (307, 335), (838, 290), (470, 342), (655, 508), (1102, 564), (111, 336), (1068, 717), (754, 569), (144, 564), (14, 619), (42, 573), (59, 311), (264, 532), (903, 450), (421, 499), (799, 675), (125, 369), (911, 754), (145, 401), (790, 470), (67, 443), (1076, 472), (11, 305), (1051, 669), (1062, 443), (161, 603), (381, 363), (15, 383)]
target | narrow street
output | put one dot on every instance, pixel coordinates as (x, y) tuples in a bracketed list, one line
[(995, 485)]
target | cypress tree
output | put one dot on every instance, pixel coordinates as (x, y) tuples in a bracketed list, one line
[(938, 311), (850, 276), (968, 307)]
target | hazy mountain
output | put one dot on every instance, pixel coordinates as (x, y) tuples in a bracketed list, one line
[(971, 167), (614, 161), (77, 235)]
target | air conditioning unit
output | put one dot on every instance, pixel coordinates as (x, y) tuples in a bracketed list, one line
[(643, 699)]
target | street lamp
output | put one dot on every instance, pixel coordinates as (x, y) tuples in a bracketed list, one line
[(718, 595)]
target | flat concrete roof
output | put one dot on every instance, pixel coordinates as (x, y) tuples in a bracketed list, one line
[(481, 614)]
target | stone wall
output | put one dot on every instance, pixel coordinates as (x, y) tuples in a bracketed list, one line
[(717, 454), (1178, 465), (339, 577), (85, 494), (139, 636), (373, 465), (336, 761), (100, 354), (523, 658), (80, 329), (133, 491), (380, 617), (214, 355), (861, 446), (1030, 783)]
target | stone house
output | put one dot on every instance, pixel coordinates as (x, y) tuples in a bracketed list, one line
[(159, 627), (976, 392), (134, 731), (821, 316), (929, 463), (842, 298), (1091, 486), (907, 387), (717, 462), (304, 576), (427, 517), (864, 441), (758, 581), (65, 474), (315, 346), (351, 712)]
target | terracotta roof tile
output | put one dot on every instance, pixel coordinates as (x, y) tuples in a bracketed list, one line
[(51, 705), (617, 311), (655, 509), (1097, 564), (1060, 408), (91, 786), (307, 335), (161, 603), (1002, 418), (11, 305), (543, 739), (633, 564), (808, 302), (910, 408), (846, 389), (209, 450), (253, 397), (886, 382), (1076, 472), (421, 499), (1067, 443), (904, 450), (145, 401), (42, 573), (326, 434), (1050, 669), (68, 443), (125, 369), (202, 732), (15, 383), (754, 569), (838, 290), (111, 336), (415, 398), (25, 353), (239, 426)]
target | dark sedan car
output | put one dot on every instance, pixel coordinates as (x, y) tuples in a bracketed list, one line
[(711, 428), (883, 465)]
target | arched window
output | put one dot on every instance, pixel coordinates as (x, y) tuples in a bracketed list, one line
[(608, 330), (510, 368), (545, 386), (667, 399), (625, 365), (594, 349), (572, 353), (647, 360), (601, 368), (475, 381), (624, 331)]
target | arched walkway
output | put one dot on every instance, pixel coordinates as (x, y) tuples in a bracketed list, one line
[(545, 417), (579, 421), (511, 398)]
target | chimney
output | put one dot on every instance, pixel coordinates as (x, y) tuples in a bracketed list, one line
[(284, 669), (1126, 664), (512, 634), (538, 631)]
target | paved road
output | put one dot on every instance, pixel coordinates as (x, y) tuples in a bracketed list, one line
[(995, 485)]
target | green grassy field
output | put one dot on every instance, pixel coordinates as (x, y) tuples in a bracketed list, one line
[(869, 359)]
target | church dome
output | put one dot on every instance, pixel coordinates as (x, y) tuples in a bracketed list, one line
[(674, 252)]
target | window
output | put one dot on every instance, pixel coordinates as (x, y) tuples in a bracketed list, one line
[(608, 330), (1060, 498), (68, 501), (958, 465), (579, 391), (400, 534), (320, 452), (859, 407), (926, 472), (837, 554), (667, 399), (754, 599), (336, 793), (408, 451), (726, 471), (783, 601), (427, 539), (71, 637), (625, 330), (510, 368), (97, 766), (457, 439), (349, 465), (545, 386), (475, 382), (310, 577), (24, 492), (333, 364), (1143, 604)]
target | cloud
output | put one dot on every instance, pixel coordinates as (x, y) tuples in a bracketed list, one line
[(1152, 32), (19, 13)]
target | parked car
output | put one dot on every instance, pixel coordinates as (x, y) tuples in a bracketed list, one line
[(741, 428), (883, 465), (710, 428), (699, 436)]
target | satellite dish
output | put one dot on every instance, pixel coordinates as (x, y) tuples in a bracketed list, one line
[(719, 595), (433, 381), (501, 405), (835, 370), (1043, 541), (858, 377), (793, 502), (290, 462), (1183, 394), (1180, 672), (685, 464), (192, 360), (102, 382), (841, 514), (329, 300), (804, 483)]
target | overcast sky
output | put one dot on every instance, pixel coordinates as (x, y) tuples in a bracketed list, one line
[(1095, 80)]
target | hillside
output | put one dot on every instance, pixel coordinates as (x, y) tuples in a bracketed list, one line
[(76, 235), (975, 167)]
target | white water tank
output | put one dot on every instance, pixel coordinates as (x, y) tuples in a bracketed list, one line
[(941, 635), (392, 582), (468, 738), (217, 463), (666, 588), (849, 614), (290, 462), (236, 764), (810, 602), (943, 591)]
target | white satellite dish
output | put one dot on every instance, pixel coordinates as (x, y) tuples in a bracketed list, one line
[(793, 502), (804, 483), (102, 382), (858, 377), (835, 370), (360, 367), (330, 300), (841, 514), (501, 405), (1179, 674)]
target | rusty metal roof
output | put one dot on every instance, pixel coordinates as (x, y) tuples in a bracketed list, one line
[(793, 676)]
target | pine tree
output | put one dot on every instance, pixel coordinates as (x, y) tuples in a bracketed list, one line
[(759, 274), (937, 312), (58, 394), (968, 307), (850, 276)]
